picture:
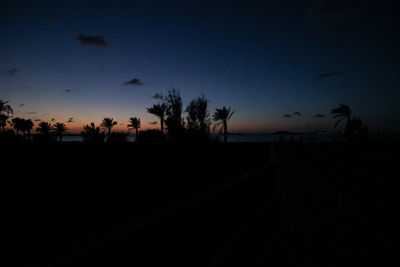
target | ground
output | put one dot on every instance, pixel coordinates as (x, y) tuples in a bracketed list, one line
[(252, 204)]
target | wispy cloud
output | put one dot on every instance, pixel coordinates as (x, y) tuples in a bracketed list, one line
[(287, 116), (71, 119), (297, 113), (329, 74), (157, 96), (53, 119), (9, 72), (31, 112), (67, 90), (153, 122), (38, 120), (21, 105), (134, 82), (91, 40), (319, 116)]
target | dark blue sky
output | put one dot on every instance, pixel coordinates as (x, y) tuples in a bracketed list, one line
[(262, 58)]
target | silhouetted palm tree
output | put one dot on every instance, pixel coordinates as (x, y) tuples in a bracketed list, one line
[(17, 124), (91, 133), (27, 126), (107, 124), (198, 116), (134, 123), (159, 111), (174, 106), (221, 116), (59, 129), (4, 107), (3, 121), (342, 112), (44, 128)]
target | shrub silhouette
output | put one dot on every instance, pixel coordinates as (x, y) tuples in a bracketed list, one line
[(92, 134), (117, 138)]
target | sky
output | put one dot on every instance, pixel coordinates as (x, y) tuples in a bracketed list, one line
[(280, 65)]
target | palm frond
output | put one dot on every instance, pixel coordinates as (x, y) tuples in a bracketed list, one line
[(336, 124)]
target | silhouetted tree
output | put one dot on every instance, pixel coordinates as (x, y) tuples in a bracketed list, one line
[(357, 131), (354, 130), (4, 107), (44, 128), (342, 112), (174, 115), (91, 133), (27, 126), (17, 124), (134, 123), (59, 129), (198, 116), (108, 124), (44, 132), (3, 122), (159, 111), (221, 116)]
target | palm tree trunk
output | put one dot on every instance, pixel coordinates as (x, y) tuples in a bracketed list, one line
[(60, 137), (347, 129), (225, 132), (162, 126), (137, 134)]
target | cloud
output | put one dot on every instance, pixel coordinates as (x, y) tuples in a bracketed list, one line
[(91, 40), (67, 90), (319, 116), (71, 119), (53, 119), (134, 82), (38, 120), (21, 105), (157, 96), (9, 72), (328, 74), (297, 113), (31, 112), (287, 116), (153, 123)]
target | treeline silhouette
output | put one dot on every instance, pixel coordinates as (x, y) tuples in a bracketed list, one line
[(174, 125)]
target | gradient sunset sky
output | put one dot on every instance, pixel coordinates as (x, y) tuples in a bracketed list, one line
[(73, 60)]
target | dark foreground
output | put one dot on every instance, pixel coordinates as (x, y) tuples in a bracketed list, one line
[(200, 205)]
